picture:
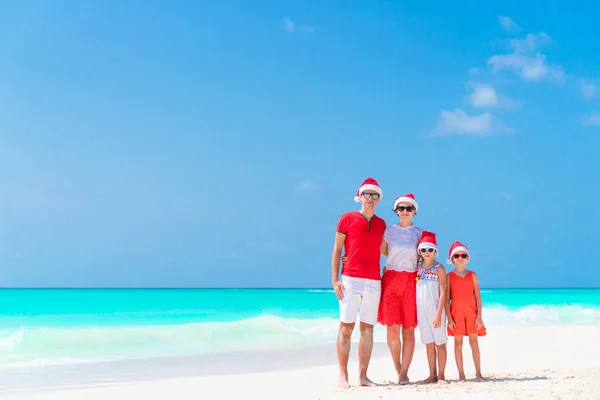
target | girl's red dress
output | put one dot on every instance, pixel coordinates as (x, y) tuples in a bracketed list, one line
[(463, 306)]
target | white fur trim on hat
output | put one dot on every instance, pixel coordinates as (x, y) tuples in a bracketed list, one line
[(406, 200), (456, 250), (368, 186), (426, 245)]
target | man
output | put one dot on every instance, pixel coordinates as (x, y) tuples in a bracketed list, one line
[(360, 234)]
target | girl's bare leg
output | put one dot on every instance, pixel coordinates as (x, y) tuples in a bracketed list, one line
[(474, 343), (431, 360), (442, 355), (394, 344), (458, 345)]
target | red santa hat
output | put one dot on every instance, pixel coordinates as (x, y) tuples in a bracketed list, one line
[(427, 241), (455, 248), (368, 184), (407, 198)]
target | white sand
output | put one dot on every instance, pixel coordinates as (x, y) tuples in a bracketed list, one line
[(521, 362)]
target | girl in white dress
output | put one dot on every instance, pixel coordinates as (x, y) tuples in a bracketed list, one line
[(431, 303)]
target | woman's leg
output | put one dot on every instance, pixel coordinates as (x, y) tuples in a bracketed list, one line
[(393, 341), (408, 337)]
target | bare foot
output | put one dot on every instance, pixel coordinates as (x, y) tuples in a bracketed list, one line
[(367, 382), (480, 378), (461, 377), (431, 379), (442, 380), (403, 380), (344, 382)]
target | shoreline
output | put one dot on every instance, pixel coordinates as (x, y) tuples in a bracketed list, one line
[(131, 371), (521, 362)]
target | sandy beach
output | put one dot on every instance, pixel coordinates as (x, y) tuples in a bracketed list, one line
[(559, 362)]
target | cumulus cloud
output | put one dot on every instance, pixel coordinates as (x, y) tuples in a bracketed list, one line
[(486, 96), (527, 60), (460, 122), (588, 88), (508, 24), (593, 120)]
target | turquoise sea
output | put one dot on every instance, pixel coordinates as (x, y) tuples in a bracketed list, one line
[(44, 327)]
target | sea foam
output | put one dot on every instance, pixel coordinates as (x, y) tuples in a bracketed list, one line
[(43, 346)]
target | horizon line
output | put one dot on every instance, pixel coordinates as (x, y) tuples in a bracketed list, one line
[(244, 287)]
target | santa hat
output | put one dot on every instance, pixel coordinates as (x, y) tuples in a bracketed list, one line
[(455, 248), (407, 198), (368, 184), (427, 241)]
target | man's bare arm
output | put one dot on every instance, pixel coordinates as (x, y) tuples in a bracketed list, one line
[(336, 254)]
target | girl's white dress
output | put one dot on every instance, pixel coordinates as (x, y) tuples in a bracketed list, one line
[(428, 299)]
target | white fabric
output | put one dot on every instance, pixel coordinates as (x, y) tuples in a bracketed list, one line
[(402, 247), (360, 294), (428, 298)]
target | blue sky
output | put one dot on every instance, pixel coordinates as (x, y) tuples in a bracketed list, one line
[(213, 144)]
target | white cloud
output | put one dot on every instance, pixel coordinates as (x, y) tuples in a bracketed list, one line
[(588, 89), (527, 61), (508, 24), (486, 96), (289, 25), (530, 42), (593, 119), (306, 186), (483, 96), (459, 122), (474, 71)]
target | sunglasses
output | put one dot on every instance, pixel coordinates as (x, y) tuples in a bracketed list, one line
[(373, 196), (407, 208), (457, 256), (429, 249)]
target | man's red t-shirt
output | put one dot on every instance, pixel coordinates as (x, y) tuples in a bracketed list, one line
[(362, 244)]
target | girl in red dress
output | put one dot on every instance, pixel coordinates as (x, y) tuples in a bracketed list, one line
[(464, 308)]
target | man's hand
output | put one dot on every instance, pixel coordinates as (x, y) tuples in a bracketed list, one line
[(338, 288)]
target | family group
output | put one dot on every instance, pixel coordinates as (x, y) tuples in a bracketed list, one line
[(414, 290)]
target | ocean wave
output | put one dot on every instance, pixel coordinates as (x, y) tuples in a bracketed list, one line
[(42, 346)]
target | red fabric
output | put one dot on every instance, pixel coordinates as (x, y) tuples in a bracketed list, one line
[(398, 305), (463, 307), (362, 245)]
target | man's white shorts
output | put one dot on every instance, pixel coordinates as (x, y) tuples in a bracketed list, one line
[(360, 294)]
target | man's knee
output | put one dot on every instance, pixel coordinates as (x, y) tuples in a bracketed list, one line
[(346, 330), (366, 330)]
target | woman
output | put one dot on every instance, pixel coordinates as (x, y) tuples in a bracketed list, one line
[(398, 307)]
